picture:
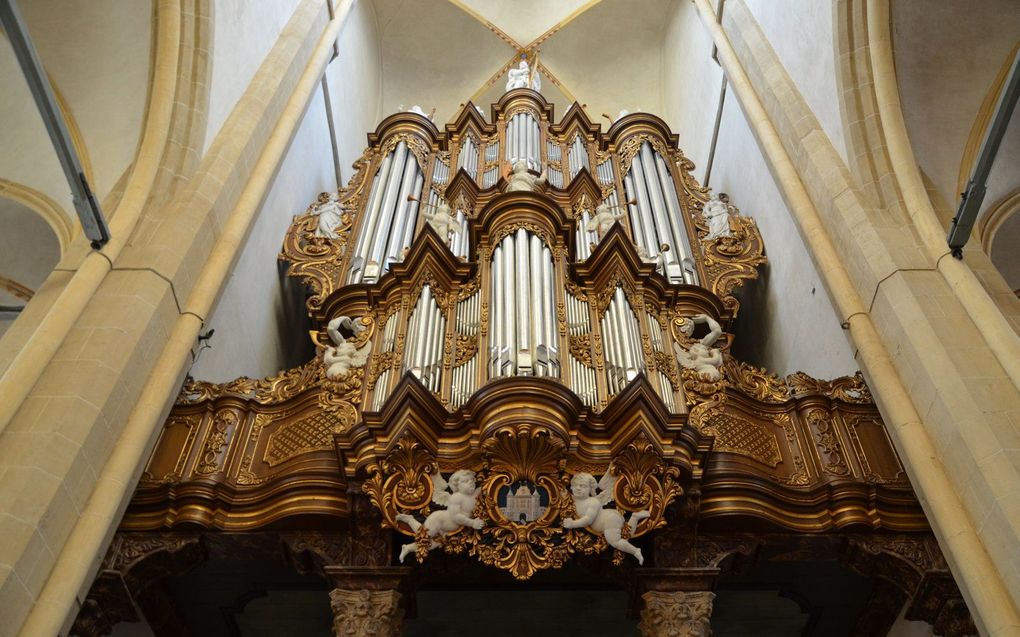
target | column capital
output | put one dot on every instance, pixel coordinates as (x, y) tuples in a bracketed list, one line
[(677, 614), (365, 612)]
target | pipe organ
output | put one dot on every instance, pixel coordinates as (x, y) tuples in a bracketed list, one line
[(481, 329), (520, 320)]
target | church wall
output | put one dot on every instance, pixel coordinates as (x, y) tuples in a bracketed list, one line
[(258, 299), (25, 155), (691, 85), (244, 32), (355, 85), (787, 322), (801, 32), (260, 315), (101, 68)]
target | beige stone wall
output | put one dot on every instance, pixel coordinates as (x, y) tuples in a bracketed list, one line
[(967, 404), (85, 423)]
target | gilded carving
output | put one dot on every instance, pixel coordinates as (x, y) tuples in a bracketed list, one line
[(364, 612), (580, 348), (755, 381), (799, 477), (521, 460), (850, 389), (741, 436), (833, 458), (223, 424), (467, 347), (313, 433), (677, 614)]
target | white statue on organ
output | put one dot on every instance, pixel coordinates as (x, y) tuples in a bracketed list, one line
[(523, 181), (340, 357), (459, 506), (604, 219), (444, 223), (521, 77), (717, 211), (701, 356), (329, 213), (589, 499)]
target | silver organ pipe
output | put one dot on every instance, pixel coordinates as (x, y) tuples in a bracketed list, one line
[(553, 153), (407, 217), (666, 392), (682, 244), (523, 136), (549, 338), (390, 216), (427, 330), (578, 156), (371, 215), (622, 336), (658, 213), (491, 155), (508, 321), (582, 377), (496, 332), (523, 336), (464, 376), (388, 344), (440, 172), (642, 210), (468, 158), (604, 173)]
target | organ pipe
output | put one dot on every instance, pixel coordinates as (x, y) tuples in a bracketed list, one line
[(522, 325), (656, 217), (390, 216)]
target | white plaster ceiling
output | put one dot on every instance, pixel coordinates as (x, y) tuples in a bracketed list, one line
[(28, 251), (440, 53)]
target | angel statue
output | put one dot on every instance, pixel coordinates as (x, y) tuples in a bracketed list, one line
[(459, 506), (604, 219), (523, 181), (444, 223), (717, 211), (329, 213), (340, 357), (589, 499), (701, 356)]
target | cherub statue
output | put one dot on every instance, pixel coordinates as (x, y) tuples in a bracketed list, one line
[(329, 213), (589, 499), (603, 219), (444, 223), (340, 357), (459, 506), (701, 356), (717, 211), (523, 181)]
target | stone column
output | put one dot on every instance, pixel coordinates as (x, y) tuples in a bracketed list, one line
[(676, 614), (358, 613)]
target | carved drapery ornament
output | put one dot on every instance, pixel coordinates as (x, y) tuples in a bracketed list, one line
[(677, 614)]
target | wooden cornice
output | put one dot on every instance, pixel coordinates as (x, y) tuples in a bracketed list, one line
[(469, 118)]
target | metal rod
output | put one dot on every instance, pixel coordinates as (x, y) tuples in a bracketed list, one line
[(89, 212), (974, 195)]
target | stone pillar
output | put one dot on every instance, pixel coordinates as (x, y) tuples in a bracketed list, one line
[(676, 614), (358, 613)]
